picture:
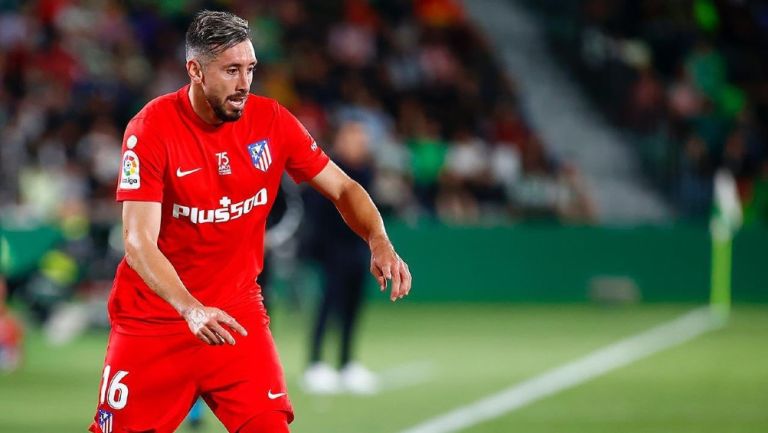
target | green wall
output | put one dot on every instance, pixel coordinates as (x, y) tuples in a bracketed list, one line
[(534, 262), (550, 263), (22, 248)]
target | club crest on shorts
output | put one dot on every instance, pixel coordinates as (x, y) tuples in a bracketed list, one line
[(260, 154), (104, 418)]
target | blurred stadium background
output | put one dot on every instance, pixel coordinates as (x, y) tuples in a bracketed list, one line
[(546, 168)]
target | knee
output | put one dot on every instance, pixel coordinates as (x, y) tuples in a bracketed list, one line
[(268, 422)]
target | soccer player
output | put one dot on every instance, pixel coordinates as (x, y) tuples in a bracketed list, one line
[(200, 170)]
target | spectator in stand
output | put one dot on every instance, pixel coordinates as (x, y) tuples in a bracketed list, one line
[(550, 189), (685, 101), (428, 151), (696, 170), (465, 178), (646, 98), (508, 126)]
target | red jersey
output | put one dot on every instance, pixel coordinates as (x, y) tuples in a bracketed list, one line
[(216, 185)]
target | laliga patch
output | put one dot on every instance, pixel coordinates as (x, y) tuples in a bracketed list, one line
[(129, 176), (260, 154)]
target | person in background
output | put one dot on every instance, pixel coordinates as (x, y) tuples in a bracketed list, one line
[(343, 258), (11, 335)]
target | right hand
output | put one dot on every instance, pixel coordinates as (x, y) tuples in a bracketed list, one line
[(206, 323)]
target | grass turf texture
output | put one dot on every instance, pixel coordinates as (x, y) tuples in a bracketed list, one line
[(716, 383)]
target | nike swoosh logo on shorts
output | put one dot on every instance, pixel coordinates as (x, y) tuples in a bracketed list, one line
[(274, 396), (180, 173)]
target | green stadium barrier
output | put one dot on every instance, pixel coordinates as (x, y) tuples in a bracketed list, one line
[(750, 265), (22, 248), (552, 263), (536, 262)]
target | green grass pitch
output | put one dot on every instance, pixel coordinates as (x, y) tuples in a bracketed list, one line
[(716, 383)]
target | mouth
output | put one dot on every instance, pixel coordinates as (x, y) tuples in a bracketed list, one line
[(237, 102)]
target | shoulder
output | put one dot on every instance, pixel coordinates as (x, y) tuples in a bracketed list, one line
[(156, 113), (144, 133), (263, 106)]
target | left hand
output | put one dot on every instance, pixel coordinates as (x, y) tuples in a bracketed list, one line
[(207, 325), (387, 265)]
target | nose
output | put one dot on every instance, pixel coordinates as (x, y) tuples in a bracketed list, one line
[(244, 83)]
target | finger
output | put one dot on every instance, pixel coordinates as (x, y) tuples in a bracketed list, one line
[(379, 277), (406, 279), (386, 274), (213, 339), (203, 338), (232, 323), (219, 339), (395, 284), (404, 282), (223, 333)]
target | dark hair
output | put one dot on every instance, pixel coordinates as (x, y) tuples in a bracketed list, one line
[(212, 32)]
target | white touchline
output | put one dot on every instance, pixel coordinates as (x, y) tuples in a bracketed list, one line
[(599, 362)]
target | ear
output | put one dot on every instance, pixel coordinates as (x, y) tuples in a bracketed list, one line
[(195, 71)]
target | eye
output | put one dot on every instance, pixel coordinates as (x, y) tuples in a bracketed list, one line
[(232, 71)]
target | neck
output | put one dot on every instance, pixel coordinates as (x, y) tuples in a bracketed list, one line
[(200, 105)]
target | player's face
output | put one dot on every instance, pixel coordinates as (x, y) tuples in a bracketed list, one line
[(227, 81)]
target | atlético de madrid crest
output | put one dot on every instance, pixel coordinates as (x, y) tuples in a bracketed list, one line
[(260, 154)]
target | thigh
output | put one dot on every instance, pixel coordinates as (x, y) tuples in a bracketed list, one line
[(147, 384), (245, 380)]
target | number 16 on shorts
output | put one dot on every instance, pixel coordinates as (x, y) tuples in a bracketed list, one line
[(116, 394)]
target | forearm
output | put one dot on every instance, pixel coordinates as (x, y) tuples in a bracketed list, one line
[(356, 207), (360, 214), (155, 269)]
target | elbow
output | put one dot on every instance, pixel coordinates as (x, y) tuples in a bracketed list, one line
[(133, 249), (348, 189), (131, 253)]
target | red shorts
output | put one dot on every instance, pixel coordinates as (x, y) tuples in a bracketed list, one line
[(149, 383)]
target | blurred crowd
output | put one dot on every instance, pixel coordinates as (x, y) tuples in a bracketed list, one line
[(688, 78), (448, 136)]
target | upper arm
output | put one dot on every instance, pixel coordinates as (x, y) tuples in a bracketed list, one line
[(143, 162), (331, 181), (141, 184), (141, 223), (305, 158)]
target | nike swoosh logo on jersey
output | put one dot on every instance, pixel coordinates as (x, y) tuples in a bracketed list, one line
[(180, 173), (274, 396)]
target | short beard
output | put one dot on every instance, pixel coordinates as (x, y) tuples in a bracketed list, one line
[(221, 112)]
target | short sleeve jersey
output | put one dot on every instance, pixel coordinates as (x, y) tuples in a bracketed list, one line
[(216, 185)]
